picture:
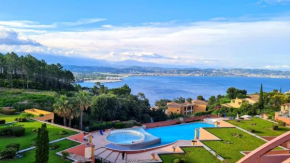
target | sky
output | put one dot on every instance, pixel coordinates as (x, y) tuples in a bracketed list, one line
[(203, 34)]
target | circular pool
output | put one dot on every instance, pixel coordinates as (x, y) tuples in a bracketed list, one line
[(125, 137)]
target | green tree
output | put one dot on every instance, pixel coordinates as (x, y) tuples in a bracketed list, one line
[(211, 100), (84, 102), (61, 107), (189, 100), (261, 98), (42, 145), (200, 97)]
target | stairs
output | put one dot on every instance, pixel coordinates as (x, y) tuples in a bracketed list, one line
[(108, 155)]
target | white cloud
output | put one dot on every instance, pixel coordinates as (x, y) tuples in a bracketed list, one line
[(283, 2), (10, 37), (224, 44), (25, 24), (83, 21)]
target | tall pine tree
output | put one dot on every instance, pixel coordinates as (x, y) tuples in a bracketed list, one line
[(42, 145), (261, 98)]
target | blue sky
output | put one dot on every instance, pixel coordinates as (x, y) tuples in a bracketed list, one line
[(207, 33)]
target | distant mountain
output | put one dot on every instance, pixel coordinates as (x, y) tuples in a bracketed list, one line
[(78, 61)]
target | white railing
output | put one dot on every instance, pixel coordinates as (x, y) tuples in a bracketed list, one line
[(131, 132)]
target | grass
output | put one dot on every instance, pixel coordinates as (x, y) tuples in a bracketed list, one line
[(29, 156), (230, 146), (261, 127), (9, 118), (192, 155), (26, 140), (9, 97)]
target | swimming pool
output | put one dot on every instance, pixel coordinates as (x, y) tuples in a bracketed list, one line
[(155, 137), (169, 134)]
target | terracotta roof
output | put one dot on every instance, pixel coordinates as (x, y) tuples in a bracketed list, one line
[(199, 102), (254, 97), (286, 104), (177, 104)]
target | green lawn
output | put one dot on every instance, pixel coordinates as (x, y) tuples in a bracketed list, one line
[(192, 155), (9, 118), (231, 145), (29, 156), (26, 140), (261, 127)]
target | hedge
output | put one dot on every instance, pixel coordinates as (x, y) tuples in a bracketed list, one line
[(8, 111), (119, 125), (203, 113), (12, 131), (14, 145), (2, 121), (9, 153)]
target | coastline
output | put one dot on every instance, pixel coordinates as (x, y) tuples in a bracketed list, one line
[(102, 81)]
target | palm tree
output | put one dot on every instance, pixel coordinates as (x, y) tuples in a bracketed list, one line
[(84, 102), (73, 110), (61, 107)]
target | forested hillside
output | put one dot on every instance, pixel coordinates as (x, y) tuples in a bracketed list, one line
[(30, 73)]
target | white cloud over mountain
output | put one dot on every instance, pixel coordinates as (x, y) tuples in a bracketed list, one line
[(214, 43)]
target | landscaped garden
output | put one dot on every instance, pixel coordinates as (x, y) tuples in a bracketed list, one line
[(233, 142), (29, 156), (27, 140), (191, 155), (260, 127)]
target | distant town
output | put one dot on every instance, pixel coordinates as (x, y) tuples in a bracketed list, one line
[(109, 73)]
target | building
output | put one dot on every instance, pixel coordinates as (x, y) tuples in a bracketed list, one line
[(186, 108), (236, 103), (41, 115), (284, 114)]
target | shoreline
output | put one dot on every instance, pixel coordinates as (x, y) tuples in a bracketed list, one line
[(102, 81)]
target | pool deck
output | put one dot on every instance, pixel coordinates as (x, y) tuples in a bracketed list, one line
[(101, 151), (111, 155)]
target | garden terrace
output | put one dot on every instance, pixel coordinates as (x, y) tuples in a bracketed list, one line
[(262, 127), (192, 154), (30, 134), (233, 141), (29, 156)]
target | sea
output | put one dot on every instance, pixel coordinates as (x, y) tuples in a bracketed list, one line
[(169, 87)]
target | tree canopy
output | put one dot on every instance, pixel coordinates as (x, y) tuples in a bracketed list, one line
[(29, 72)]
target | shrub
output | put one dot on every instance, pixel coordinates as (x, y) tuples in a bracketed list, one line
[(54, 146), (62, 133), (22, 106), (21, 119), (182, 160), (14, 145), (2, 121), (8, 111), (275, 127), (35, 130), (130, 123), (27, 115), (18, 131), (119, 125), (64, 154), (12, 131), (7, 131), (176, 160), (281, 123), (8, 153), (251, 130)]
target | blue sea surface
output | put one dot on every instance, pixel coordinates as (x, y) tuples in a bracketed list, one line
[(169, 134), (169, 87)]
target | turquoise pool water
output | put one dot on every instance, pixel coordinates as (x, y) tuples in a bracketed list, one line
[(123, 138), (169, 134)]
